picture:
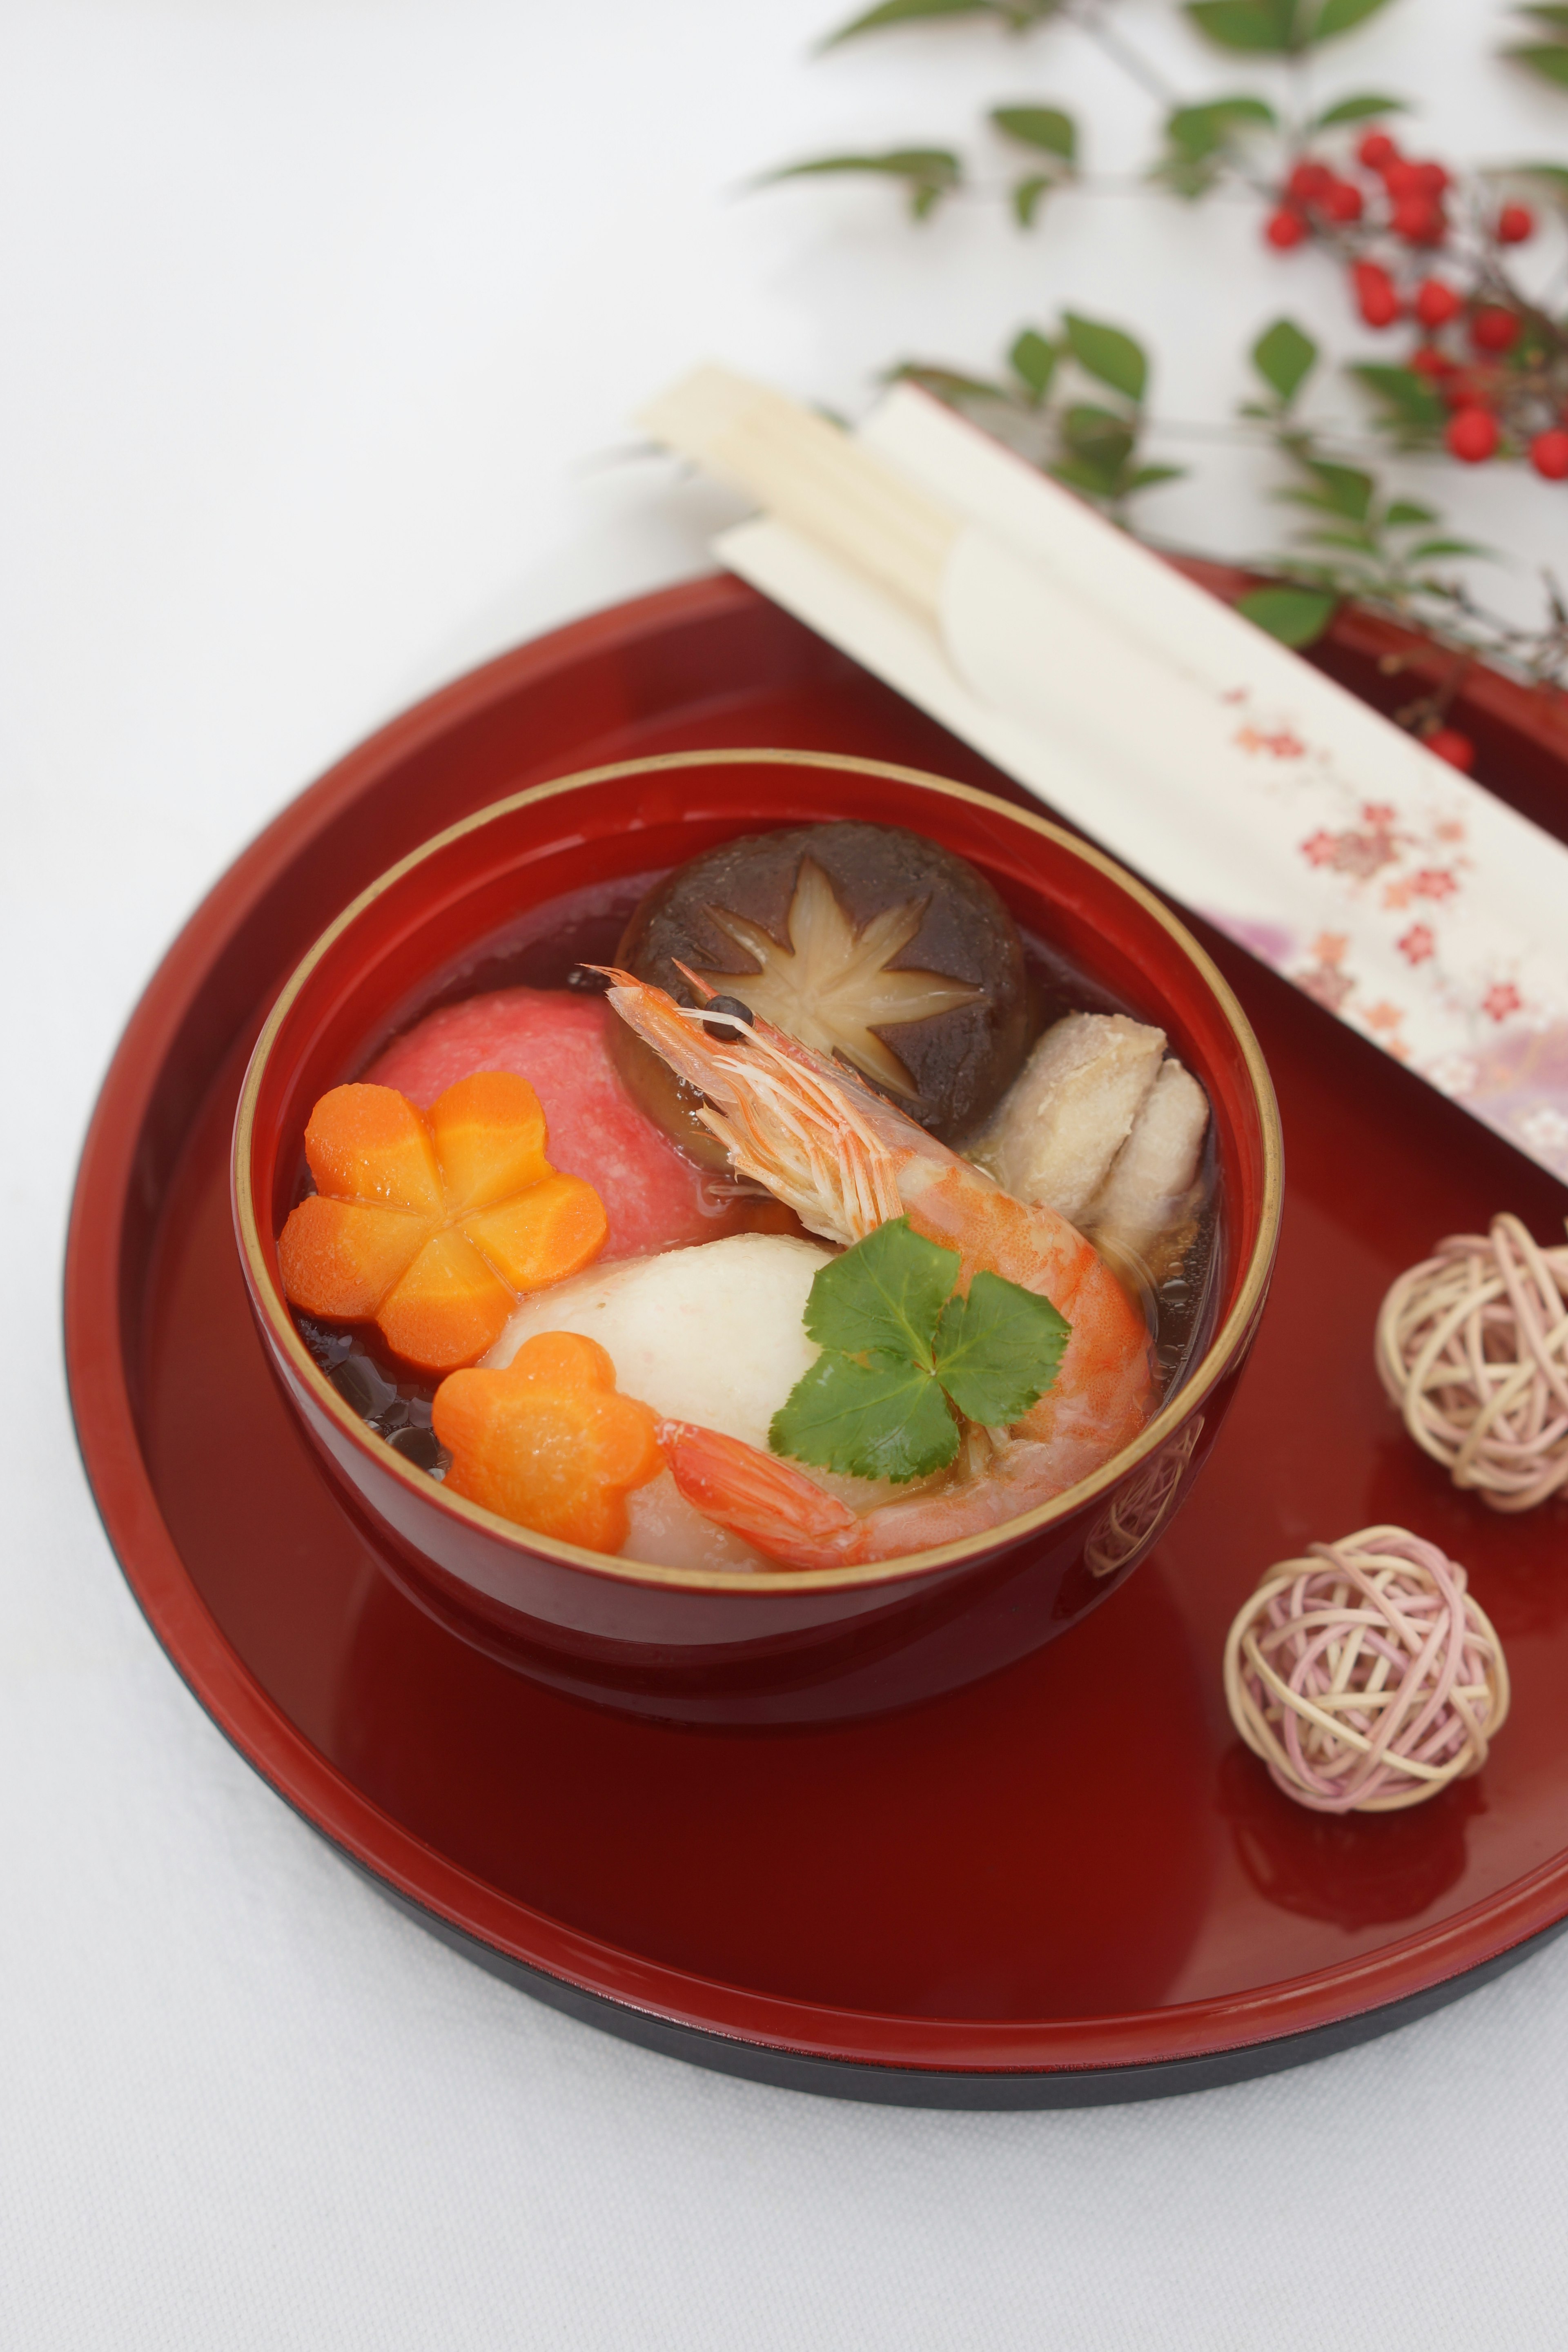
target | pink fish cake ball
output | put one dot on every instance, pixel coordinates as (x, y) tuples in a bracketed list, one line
[(654, 1197)]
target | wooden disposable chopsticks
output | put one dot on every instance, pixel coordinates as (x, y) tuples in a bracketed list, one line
[(807, 473)]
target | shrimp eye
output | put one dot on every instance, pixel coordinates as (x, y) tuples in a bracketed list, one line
[(722, 1032)]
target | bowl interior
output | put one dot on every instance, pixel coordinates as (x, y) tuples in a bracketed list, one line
[(395, 950)]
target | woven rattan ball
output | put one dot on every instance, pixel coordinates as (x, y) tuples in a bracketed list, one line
[(1365, 1676), (1472, 1346)]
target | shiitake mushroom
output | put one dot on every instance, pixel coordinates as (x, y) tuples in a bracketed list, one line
[(866, 941)]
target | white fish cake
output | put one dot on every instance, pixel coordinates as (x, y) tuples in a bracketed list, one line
[(715, 1334), (1070, 1109)]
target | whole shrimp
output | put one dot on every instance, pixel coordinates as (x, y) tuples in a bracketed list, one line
[(846, 1160)]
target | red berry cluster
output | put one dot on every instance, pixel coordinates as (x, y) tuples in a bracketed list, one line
[(1499, 391)]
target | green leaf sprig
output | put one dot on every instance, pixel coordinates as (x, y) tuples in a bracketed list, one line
[(1277, 28), (1547, 54), (1201, 140), (1094, 447), (1071, 397), (927, 174), (1052, 136), (1357, 543), (903, 1352), (1017, 15)]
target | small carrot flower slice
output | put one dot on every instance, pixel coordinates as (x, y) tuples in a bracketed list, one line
[(489, 1133), (432, 1225), (449, 1306), (369, 1143), (548, 1442), (341, 1258), (558, 1222)]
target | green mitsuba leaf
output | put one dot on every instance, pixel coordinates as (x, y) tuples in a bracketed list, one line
[(902, 1353), (998, 1351), (885, 1418), (1284, 357), (886, 1292), (1106, 352), (1297, 617)]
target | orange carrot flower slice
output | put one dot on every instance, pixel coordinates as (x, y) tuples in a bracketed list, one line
[(431, 1225), (548, 1442)]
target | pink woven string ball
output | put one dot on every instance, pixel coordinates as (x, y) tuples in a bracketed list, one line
[(1472, 1346), (1365, 1675)]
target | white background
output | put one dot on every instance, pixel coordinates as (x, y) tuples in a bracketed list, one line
[(317, 320)]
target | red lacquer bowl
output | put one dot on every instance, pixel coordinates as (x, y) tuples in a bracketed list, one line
[(785, 1646)]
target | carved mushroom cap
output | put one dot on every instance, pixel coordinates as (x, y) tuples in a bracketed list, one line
[(865, 941)]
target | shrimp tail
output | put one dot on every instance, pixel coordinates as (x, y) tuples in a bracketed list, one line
[(760, 1498)]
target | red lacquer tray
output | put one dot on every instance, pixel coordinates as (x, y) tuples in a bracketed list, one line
[(1069, 1884)]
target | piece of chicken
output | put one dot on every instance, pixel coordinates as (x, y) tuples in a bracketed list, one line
[(1105, 1128)]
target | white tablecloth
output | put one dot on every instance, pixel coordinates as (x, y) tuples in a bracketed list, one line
[(319, 317)]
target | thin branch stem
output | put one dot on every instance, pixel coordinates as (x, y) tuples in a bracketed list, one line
[(1243, 433)]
